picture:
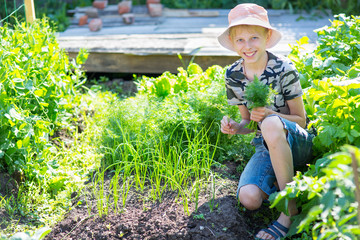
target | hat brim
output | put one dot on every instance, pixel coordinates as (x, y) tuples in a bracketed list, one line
[(225, 40)]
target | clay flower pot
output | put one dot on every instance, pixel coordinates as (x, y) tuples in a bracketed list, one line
[(92, 12), (95, 24), (124, 7), (83, 20), (155, 9), (100, 4), (152, 1)]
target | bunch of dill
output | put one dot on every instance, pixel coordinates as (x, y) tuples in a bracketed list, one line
[(258, 94)]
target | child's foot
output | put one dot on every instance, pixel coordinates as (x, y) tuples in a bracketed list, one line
[(276, 230)]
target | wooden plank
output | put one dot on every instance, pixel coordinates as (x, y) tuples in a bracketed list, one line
[(153, 53), (29, 11), (155, 64)]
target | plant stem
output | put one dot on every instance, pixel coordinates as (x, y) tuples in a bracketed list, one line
[(252, 125)]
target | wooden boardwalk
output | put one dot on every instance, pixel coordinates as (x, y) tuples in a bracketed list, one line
[(152, 45)]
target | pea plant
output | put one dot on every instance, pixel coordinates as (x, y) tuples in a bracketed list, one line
[(38, 89)]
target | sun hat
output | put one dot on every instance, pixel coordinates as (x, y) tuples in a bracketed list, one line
[(248, 14)]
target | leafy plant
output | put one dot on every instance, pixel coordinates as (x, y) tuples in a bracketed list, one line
[(167, 136), (39, 234), (337, 53), (171, 103), (326, 195), (38, 88), (330, 76), (258, 95), (335, 112)]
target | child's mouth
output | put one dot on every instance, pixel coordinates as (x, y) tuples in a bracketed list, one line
[(249, 54)]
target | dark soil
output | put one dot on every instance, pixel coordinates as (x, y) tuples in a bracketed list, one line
[(220, 218)]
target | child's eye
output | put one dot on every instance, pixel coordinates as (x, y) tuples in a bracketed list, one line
[(254, 38), (239, 40)]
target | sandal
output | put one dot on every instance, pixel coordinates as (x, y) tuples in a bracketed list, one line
[(273, 230)]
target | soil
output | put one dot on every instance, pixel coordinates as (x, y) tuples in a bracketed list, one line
[(220, 218)]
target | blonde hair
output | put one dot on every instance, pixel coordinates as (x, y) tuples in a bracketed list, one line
[(233, 29)]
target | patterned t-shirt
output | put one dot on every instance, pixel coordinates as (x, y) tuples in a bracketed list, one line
[(280, 73)]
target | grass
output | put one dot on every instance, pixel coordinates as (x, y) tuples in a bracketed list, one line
[(160, 167)]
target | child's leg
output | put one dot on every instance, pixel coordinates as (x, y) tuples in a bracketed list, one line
[(257, 179), (251, 196), (274, 135)]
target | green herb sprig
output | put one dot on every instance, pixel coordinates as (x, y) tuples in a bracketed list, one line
[(258, 94)]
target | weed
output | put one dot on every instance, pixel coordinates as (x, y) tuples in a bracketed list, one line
[(199, 217)]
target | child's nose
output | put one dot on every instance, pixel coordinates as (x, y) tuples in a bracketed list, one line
[(248, 44)]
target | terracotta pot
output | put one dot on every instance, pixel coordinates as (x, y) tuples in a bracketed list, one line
[(83, 20), (95, 24), (155, 9), (153, 1), (100, 4), (92, 12), (124, 7)]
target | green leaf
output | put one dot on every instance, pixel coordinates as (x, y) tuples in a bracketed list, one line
[(339, 103), (41, 233), (355, 230), (40, 92), (328, 200), (194, 69), (26, 141), (354, 133), (162, 87), (15, 115), (346, 218), (21, 236), (353, 72), (19, 144)]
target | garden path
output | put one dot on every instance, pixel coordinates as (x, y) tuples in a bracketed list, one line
[(151, 44)]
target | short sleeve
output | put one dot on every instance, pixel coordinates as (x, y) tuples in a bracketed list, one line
[(235, 87), (290, 83)]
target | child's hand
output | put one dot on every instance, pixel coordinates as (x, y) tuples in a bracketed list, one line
[(229, 126), (259, 113)]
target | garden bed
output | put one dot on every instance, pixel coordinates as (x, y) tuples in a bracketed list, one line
[(220, 218)]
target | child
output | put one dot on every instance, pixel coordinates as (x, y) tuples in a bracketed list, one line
[(281, 142)]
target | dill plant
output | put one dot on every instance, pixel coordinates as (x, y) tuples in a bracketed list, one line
[(258, 95)]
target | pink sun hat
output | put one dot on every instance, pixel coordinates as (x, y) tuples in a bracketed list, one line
[(248, 14)]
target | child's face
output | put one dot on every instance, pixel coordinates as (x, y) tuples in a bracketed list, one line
[(250, 42)]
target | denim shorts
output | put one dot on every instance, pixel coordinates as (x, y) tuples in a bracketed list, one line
[(259, 170)]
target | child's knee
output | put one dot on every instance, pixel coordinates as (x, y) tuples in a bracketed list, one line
[(273, 130), (250, 197), (272, 122)]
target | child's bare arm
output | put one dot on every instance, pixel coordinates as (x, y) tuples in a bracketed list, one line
[(297, 112)]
